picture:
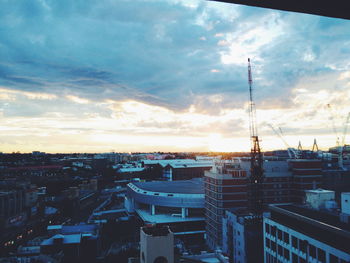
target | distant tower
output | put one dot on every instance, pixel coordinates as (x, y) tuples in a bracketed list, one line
[(156, 245)]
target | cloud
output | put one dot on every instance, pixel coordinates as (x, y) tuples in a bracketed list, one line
[(171, 67)]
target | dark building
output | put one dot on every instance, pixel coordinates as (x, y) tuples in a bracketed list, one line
[(307, 174), (177, 169), (242, 239)]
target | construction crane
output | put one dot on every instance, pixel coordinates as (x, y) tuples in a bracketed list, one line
[(256, 159), (292, 153), (333, 124), (341, 148), (340, 145)]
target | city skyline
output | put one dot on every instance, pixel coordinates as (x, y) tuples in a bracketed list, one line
[(167, 76)]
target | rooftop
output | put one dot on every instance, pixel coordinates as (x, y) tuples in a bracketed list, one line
[(194, 186), (321, 225), (156, 231), (319, 191)]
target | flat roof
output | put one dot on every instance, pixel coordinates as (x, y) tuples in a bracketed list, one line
[(193, 186), (319, 191), (165, 218), (321, 225)]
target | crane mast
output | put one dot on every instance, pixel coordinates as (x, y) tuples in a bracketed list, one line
[(256, 159)]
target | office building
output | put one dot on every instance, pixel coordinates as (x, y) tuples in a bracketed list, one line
[(300, 234)]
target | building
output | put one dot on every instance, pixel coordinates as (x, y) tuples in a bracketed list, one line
[(294, 233), (242, 236), (156, 245), (179, 204), (307, 174), (177, 169), (77, 243), (12, 207), (226, 186), (319, 198)]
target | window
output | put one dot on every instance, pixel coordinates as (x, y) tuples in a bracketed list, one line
[(286, 237), (302, 245), (312, 251), (286, 253), (301, 260), (273, 230), (279, 234), (273, 246), (333, 259), (294, 242), (280, 250), (294, 258), (267, 242), (160, 260), (321, 255), (267, 228)]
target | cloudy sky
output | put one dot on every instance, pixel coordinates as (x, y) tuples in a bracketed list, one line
[(96, 76)]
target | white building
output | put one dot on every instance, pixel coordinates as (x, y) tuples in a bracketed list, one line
[(299, 234)]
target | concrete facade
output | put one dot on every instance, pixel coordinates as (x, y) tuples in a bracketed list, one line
[(156, 245)]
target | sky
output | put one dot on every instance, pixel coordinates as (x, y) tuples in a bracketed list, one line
[(127, 76)]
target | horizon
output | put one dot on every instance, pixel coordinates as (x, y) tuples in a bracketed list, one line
[(168, 76)]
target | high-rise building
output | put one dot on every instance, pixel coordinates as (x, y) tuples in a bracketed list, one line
[(226, 186)]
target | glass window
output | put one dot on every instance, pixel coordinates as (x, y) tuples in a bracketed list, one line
[(267, 242), (286, 253), (279, 234), (280, 250), (321, 254), (301, 260), (294, 242), (273, 246), (302, 245), (267, 228), (273, 230), (333, 259), (312, 251), (286, 237), (294, 258)]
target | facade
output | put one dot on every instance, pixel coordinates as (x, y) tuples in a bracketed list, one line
[(319, 198), (242, 238), (226, 186), (12, 207), (156, 245), (299, 234), (307, 174), (179, 204)]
